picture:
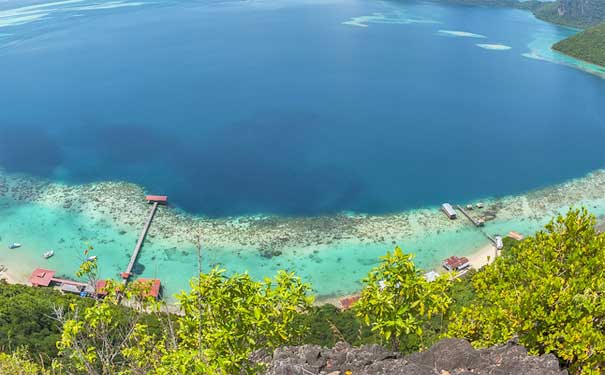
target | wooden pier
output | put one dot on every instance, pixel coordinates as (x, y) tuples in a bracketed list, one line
[(155, 201), (476, 222)]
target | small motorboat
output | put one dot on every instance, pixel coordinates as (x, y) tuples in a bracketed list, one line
[(91, 258), (479, 205), (499, 243), (469, 206), (48, 254), (14, 245)]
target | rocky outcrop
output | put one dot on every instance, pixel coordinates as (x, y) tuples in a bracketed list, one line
[(447, 357), (589, 11)]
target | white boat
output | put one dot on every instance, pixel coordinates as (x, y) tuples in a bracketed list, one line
[(91, 258), (14, 245), (499, 243), (479, 205), (48, 254)]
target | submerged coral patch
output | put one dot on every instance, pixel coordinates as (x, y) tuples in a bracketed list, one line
[(460, 34), (395, 18), (494, 47)]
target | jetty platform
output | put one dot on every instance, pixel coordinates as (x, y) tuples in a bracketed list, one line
[(44, 277), (476, 222), (155, 200)]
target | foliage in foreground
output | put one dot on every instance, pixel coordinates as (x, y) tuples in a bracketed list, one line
[(19, 363), (27, 318), (398, 302), (327, 325), (549, 291), (225, 319)]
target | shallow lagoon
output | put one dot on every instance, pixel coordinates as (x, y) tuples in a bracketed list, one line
[(331, 252)]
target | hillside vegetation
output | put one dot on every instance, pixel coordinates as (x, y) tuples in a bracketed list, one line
[(546, 291), (574, 13), (588, 45)]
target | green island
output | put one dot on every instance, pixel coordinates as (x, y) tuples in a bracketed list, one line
[(545, 291), (588, 45)]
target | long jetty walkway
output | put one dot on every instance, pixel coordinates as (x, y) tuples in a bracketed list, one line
[(156, 200), (476, 222)]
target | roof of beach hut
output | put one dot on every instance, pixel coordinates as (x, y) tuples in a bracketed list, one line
[(155, 286), (41, 277)]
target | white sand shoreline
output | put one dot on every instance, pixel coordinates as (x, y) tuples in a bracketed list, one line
[(483, 256)]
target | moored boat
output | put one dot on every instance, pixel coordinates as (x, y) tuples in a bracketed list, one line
[(14, 245), (499, 243), (48, 254)]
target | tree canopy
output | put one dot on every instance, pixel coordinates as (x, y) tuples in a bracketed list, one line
[(397, 301), (222, 321), (588, 45), (549, 291)]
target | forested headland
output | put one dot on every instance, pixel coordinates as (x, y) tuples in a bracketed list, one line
[(588, 45)]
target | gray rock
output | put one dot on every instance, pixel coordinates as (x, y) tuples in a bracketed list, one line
[(447, 357)]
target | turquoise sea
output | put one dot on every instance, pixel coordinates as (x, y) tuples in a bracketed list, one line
[(321, 132)]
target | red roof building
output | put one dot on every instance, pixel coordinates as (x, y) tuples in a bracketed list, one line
[(162, 199), (41, 277), (100, 288), (155, 286), (516, 236), (348, 302), (454, 263)]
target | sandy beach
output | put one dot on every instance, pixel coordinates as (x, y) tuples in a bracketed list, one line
[(482, 257), (12, 278)]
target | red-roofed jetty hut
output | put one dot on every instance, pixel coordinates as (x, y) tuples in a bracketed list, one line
[(161, 199)]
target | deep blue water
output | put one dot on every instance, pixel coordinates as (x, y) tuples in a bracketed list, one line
[(278, 107)]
